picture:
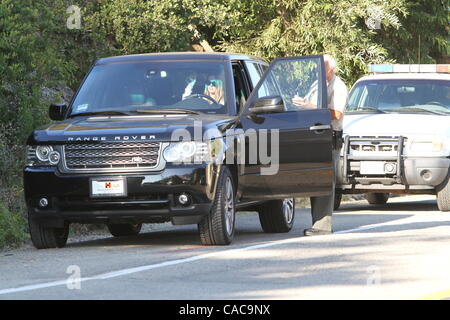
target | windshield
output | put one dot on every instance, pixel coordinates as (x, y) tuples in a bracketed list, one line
[(143, 87), (401, 96)]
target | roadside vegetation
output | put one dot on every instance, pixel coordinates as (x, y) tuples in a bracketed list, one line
[(45, 50)]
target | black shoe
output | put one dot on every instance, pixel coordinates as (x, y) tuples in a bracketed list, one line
[(315, 232)]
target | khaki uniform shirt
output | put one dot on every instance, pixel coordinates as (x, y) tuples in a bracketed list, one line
[(337, 98)]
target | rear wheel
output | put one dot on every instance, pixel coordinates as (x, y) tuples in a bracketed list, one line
[(443, 196), (377, 198), (45, 238), (217, 228), (124, 229), (277, 216)]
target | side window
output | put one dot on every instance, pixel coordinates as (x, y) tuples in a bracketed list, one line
[(297, 81), (240, 87), (254, 72)]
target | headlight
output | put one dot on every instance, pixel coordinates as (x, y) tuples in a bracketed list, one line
[(427, 146), (42, 152), (43, 156), (194, 151)]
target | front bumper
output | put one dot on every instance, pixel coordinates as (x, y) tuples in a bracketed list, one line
[(151, 197), (415, 174)]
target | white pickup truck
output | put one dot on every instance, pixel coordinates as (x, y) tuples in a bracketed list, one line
[(397, 134)]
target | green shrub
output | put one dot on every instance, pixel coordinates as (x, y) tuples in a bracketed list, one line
[(12, 228)]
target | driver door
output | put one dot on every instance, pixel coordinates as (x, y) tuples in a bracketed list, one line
[(287, 148)]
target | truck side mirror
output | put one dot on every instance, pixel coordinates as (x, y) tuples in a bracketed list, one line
[(57, 111), (271, 104)]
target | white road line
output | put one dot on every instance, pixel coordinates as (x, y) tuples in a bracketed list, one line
[(124, 272)]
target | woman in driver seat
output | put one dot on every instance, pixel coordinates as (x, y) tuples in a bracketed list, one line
[(214, 89)]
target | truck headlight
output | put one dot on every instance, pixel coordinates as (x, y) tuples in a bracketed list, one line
[(427, 146), (43, 156)]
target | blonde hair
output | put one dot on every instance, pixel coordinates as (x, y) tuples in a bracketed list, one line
[(218, 96)]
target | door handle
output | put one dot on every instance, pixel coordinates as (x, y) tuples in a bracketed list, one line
[(320, 127)]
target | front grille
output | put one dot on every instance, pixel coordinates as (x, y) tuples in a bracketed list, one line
[(111, 155), (374, 144)]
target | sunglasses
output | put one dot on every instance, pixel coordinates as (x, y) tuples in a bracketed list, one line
[(214, 83)]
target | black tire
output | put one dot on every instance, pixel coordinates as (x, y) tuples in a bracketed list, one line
[(45, 238), (377, 198), (217, 228), (277, 216), (124, 229), (443, 196), (337, 200)]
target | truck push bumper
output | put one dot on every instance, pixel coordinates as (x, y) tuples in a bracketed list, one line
[(392, 172)]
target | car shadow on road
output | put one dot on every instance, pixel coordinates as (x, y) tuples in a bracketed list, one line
[(421, 205), (153, 238)]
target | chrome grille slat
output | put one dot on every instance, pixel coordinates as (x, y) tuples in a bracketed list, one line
[(111, 155), (111, 145)]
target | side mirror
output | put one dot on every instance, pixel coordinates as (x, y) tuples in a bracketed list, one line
[(57, 111), (272, 104)]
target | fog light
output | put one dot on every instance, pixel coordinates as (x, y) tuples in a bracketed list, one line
[(43, 202), (426, 175), (184, 199)]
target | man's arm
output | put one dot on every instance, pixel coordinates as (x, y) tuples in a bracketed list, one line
[(336, 115), (300, 102)]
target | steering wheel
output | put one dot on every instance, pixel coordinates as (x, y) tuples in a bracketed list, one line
[(201, 96), (436, 103)]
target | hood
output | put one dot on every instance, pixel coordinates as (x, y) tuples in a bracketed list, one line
[(130, 128), (391, 124)]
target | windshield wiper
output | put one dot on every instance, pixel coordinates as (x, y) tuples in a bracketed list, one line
[(166, 111), (103, 113), (366, 108)]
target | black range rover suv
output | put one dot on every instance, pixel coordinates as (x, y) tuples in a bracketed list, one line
[(135, 146)]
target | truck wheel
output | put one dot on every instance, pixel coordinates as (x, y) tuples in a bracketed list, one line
[(377, 198), (443, 196), (277, 216), (124, 229), (337, 199), (45, 238), (217, 228)]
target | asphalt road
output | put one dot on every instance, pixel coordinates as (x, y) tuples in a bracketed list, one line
[(397, 251)]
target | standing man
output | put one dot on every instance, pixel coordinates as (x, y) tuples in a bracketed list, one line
[(322, 207)]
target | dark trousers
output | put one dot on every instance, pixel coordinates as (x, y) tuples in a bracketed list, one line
[(322, 207)]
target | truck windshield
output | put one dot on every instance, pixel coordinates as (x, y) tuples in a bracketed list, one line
[(132, 88), (400, 96)]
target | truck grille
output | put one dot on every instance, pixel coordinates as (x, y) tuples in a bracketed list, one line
[(112, 155), (374, 144)]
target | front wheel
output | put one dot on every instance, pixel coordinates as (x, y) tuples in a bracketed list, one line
[(277, 216), (377, 198), (43, 237), (217, 228), (443, 196)]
